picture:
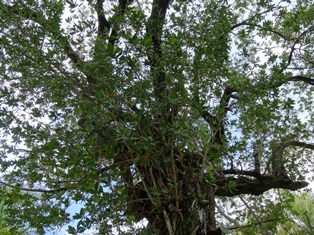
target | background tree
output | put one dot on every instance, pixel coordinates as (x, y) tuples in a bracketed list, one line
[(299, 216), (152, 109), (290, 213)]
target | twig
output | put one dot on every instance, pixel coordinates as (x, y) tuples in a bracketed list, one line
[(170, 230)]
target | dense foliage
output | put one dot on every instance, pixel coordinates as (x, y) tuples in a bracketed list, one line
[(7, 224), (183, 113)]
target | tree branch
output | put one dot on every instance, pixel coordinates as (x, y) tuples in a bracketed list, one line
[(296, 42), (296, 39), (154, 27), (245, 23), (256, 187), (254, 224), (103, 24), (278, 168), (114, 33), (242, 173), (298, 143), (301, 78), (216, 122), (261, 183), (34, 190)]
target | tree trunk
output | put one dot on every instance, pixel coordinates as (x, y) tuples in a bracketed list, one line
[(178, 203), (194, 216)]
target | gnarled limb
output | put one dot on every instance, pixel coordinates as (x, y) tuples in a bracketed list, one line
[(245, 185), (278, 168)]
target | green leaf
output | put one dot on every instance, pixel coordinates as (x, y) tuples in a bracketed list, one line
[(147, 41), (71, 230)]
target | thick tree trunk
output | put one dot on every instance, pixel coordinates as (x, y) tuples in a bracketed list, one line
[(194, 216), (179, 203)]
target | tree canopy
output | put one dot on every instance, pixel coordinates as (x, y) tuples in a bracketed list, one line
[(155, 109)]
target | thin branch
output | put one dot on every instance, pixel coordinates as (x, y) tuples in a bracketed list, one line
[(250, 209), (245, 23), (297, 41), (68, 49), (254, 224), (169, 227), (296, 68), (34, 190), (256, 15), (227, 216)]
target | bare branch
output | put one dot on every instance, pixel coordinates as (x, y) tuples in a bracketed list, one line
[(227, 216), (250, 209)]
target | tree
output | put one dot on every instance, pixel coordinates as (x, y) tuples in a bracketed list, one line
[(299, 216), (292, 214), (153, 109)]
